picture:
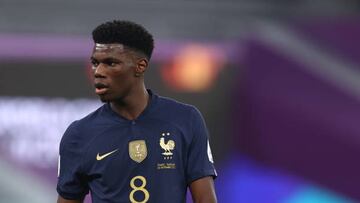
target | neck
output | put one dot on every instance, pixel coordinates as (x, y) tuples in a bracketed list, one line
[(132, 105)]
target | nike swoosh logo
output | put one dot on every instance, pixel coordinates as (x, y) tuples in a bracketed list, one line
[(101, 157)]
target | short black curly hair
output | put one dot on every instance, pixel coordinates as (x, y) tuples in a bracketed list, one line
[(130, 34)]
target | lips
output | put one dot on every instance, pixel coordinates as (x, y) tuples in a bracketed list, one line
[(101, 88)]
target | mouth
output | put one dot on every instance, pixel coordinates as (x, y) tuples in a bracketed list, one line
[(100, 88)]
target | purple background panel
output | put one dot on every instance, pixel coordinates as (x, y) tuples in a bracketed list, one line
[(339, 35), (296, 121)]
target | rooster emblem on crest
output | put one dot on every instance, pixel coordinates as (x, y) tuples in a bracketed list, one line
[(170, 145)]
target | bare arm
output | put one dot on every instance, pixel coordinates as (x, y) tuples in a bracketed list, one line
[(62, 200), (203, 191)]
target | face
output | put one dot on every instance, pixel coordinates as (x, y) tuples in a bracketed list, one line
[(115, 71)]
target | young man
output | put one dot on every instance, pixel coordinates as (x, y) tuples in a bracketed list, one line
[(137, 147)]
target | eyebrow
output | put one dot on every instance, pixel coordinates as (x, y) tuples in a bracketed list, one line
[(105, 59)]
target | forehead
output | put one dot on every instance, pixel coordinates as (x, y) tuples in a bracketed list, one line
[(99, 46), (112, 50)]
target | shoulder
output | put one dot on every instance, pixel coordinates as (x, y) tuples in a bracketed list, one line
[(77, 132), (100, 115), (175, 112), (174, 106)]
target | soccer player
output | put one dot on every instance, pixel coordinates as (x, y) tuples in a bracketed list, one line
[(138, 147)]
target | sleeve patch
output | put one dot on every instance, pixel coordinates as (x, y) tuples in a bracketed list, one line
[(58, 171), (209, 153)]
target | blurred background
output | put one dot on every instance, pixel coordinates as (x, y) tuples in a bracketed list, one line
[(278, 83)]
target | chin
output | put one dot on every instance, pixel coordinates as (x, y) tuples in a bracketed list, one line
[(104, 99)]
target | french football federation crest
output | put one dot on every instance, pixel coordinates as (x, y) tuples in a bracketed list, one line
[(167, 146), (137, 150)]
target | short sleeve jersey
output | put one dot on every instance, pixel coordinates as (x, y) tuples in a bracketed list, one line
[(151, 159)]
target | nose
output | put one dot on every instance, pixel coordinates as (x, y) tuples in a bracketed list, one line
[(99, 71)]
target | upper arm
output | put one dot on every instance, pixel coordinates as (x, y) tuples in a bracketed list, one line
[(62, 200), (199, 158), (202, 190), (72, 183), (200, 167)]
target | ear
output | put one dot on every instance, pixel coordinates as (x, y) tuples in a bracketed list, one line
[(141, 66)]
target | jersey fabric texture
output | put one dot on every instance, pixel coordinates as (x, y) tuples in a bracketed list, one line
[(150, 159)]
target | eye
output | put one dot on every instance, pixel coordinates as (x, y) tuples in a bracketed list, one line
[(112, 64), (94, 63)]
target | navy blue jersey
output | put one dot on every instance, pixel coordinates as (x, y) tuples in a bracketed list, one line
[(151, 159)]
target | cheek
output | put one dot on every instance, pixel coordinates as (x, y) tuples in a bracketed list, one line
[(120, 78)]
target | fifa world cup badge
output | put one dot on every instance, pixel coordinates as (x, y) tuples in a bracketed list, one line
[(137, 150)]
